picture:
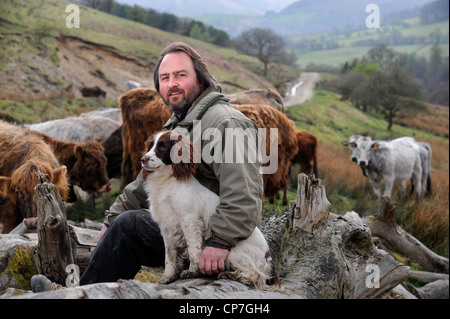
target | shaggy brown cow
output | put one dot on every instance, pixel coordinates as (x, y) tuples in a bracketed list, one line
[(93, 91), (307, 152), (85, 162), (114, 152), (144, 113), (21, 155), (258, 96), (268, 117)]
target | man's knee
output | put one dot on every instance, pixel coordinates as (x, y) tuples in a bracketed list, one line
[(139, 224), (126, 221)]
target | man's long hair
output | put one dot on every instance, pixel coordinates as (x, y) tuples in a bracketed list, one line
[(203, 76)]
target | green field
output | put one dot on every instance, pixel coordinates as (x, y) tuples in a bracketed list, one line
[(347, 50)]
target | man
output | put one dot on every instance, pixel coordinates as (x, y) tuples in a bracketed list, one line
[(130, 238)]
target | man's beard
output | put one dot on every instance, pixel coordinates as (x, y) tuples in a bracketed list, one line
[(187, 101), (182, 107)]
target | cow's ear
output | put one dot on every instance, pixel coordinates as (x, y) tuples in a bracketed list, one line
[(345, 143), (60, 181), (5, 185), (79, 151), (375, 146)]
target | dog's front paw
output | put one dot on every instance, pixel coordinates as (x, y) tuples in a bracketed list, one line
[(166, 279), (187, 274)]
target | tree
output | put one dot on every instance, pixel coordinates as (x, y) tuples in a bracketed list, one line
[(93, 3), (390, 90), (436, 56), (107, 5), (196, 32), (394, 91), (263, 44), (137, 14), (434, 12), (385, 57)]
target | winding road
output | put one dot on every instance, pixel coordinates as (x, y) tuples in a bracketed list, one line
[(303, 90)]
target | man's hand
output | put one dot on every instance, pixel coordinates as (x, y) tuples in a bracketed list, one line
[(102, 232), (212, 260)]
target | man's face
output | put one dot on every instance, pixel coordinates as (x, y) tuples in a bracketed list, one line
[(178, 84)]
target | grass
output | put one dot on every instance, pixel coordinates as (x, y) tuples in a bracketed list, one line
[(333, 120), (28, 112)]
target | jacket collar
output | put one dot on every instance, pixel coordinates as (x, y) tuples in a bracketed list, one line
[(197, 109)]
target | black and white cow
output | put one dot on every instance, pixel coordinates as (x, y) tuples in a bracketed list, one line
[(387, 162)]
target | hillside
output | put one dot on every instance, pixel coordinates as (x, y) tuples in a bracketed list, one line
[(306, 16), (41, 58), (335, 48), (194, 8)]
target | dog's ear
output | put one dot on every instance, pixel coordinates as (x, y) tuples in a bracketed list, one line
[(144, 174), (147, 143), (186, 162)]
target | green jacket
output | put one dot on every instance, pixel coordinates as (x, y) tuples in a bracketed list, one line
[(238, 184)]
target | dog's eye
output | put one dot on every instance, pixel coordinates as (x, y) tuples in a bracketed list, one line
[(162, 147)]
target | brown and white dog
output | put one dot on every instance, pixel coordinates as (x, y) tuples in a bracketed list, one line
[(182, 207)]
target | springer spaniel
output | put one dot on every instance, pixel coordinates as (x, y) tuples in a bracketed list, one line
[(182, 208)]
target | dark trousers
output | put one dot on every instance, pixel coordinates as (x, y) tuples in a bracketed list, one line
[(132, 240)]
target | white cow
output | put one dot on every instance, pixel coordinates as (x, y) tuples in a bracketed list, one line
[(387, 162), (355, 151), (425, 158)]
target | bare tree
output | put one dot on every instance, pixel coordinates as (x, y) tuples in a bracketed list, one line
[(394, 91), (263, 44)]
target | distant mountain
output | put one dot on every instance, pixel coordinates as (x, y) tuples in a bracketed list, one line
[(309, 16), (193, 8), (285, 17)]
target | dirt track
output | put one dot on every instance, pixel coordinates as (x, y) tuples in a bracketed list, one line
[(305, 89)]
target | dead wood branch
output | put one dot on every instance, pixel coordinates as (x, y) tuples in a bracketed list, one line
[(395, 239)]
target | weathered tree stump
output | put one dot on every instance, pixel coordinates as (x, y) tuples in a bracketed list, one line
[(55, 249), (312, 203), (333, 257), (395, 239)]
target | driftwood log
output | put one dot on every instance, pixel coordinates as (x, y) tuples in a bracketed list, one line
[(55, 250), (318, 256), (395, 239)]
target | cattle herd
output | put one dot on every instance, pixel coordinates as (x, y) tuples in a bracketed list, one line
[(89, 150)]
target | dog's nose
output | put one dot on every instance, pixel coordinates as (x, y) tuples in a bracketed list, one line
[(144, 160)]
